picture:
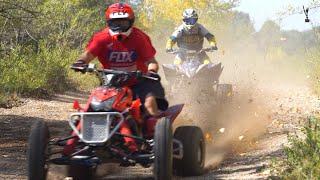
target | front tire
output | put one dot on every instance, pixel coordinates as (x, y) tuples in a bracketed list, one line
[(163, 150), (37, 151), (193, 160)]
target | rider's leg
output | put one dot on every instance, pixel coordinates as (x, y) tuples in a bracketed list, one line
[(152, 96), (151, 106)]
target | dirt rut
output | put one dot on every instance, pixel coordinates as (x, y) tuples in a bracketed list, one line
[(245, 156)]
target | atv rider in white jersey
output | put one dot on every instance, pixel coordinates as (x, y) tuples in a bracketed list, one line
[(190, 36)]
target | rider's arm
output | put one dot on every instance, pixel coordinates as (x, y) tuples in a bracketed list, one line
[(148, 52), (86, 57), (173, 38), (93, 49), (170, 43), (210, 37), (153, 65)]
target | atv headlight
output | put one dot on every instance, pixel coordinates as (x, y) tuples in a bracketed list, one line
[(102, 106)]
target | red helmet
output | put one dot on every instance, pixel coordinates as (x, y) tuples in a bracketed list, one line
[(120, 19)]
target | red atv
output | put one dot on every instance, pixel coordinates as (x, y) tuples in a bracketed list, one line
[(97, 135)]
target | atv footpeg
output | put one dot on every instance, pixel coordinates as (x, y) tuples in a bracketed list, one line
[(60, 141), (127, 162), (85, 160), (77, 160)]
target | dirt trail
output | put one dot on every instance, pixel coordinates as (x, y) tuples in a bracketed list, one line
[(287, 108), (247, 158)]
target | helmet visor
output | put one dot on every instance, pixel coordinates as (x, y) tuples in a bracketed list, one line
[(119, 25), (190, 21)]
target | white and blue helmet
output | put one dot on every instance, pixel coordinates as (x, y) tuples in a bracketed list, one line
[(190, 18)]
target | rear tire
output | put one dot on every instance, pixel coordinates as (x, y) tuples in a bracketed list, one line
[(193, 161), (163, 150), (37, 151)]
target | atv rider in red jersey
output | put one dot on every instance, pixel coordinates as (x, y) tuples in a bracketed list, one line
[(120, 46)]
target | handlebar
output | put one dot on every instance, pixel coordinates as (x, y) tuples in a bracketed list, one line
[(177, 51), (136, 74)]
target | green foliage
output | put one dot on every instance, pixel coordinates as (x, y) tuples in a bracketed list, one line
[(303, 160), (59, 22), (40, 39), (160, 18), (24, 71), (241, 26), (268, 36), (3, 99)]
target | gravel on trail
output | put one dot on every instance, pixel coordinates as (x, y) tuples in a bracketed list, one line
[(289, 107)]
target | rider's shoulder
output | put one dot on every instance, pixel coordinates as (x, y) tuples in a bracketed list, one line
[(203, 28), (180, 28), (101, 35), (139, 33), (200, 26)]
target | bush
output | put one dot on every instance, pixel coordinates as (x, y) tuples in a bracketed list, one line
[(25, 72), (303, 159), (39, 41)]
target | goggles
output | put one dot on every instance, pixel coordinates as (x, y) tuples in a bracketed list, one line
[(190, 21), (119, 25)]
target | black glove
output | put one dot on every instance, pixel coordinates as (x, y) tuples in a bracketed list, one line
[(153, 75), (79, 63), (79, 66), (213, 48)]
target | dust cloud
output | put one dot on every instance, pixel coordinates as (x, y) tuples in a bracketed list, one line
[(235, 126)]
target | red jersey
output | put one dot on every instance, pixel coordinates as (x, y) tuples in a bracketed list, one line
[(130, 54)]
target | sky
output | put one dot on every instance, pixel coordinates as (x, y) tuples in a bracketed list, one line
[(262, 10)]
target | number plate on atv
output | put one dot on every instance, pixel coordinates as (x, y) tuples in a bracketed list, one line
[(95, 127)]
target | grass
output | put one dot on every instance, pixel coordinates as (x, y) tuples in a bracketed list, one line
[(25, 72), (303, 154)]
